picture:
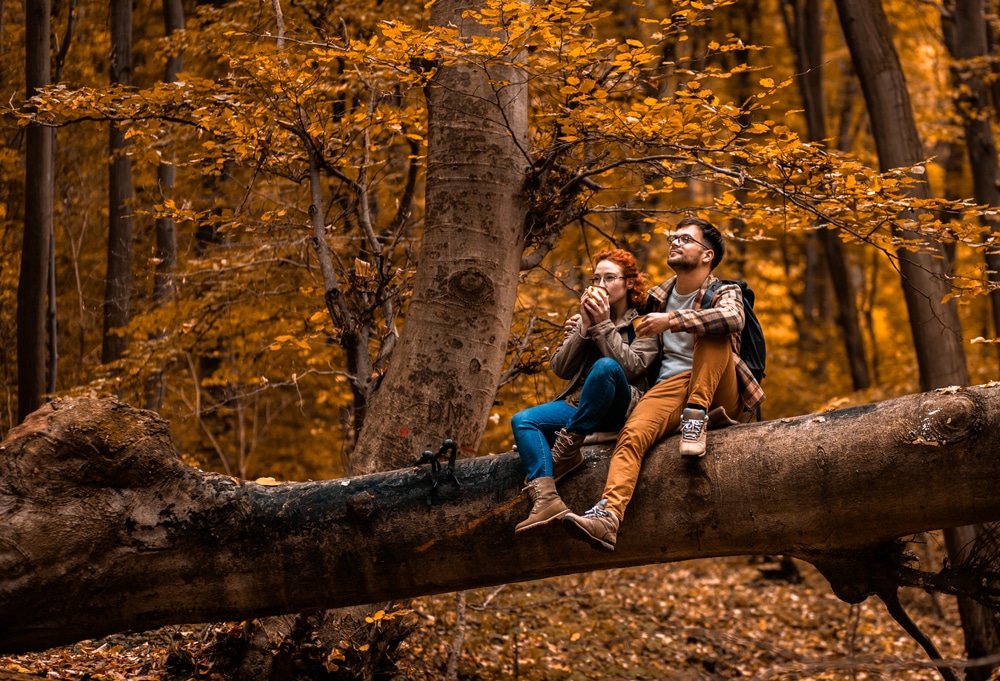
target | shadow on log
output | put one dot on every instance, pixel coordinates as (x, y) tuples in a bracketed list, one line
[(104, 529)]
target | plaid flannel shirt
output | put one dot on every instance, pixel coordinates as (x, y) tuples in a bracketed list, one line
[(725, 317)]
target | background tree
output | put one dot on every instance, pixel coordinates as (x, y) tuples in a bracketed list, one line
[(965, 35), (33, 279), (933, 319), (118, 286), (804, 25), (165, 249)]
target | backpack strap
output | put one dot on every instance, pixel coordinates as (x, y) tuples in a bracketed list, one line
[(709, 297)]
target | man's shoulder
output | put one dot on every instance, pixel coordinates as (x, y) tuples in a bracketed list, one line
[(658, 295), (714, 287)]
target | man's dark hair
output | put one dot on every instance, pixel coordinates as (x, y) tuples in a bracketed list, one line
[(712, 237)]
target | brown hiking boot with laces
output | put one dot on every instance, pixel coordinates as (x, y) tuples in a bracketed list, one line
[(597, 527), (566, 454), (694, 426), (546, 505)]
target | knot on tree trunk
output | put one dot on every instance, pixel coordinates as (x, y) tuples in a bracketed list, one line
[(949, 421), (472, 287)]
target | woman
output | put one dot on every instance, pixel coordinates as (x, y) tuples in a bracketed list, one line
[(606, 365)]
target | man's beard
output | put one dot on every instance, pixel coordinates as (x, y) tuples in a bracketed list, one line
[(680, 263)]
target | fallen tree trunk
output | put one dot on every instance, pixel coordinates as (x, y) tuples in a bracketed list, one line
[(103, 528)]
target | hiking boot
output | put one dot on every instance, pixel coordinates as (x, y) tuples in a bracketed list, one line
[(597, 527), (546, 505), (566, 454), (693, 430)]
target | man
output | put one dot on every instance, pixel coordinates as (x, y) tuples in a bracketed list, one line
[(700, 371)]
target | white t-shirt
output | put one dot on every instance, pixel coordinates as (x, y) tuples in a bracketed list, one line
[(678, 348)]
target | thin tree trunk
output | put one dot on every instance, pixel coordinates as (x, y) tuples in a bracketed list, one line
[(33, 278), (937, 332), (804, 26), (446, 366), (53, 318), (165, 248), (118, 281), (964, 29)]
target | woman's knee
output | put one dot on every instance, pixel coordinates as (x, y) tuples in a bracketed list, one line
[(606, 366)]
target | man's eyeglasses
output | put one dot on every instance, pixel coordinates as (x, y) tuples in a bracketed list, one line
[(685, 239), (606, 279)]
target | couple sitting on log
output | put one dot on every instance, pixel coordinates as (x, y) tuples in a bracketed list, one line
[(679, 367)]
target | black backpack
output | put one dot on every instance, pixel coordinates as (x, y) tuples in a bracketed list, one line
[(752, 349)]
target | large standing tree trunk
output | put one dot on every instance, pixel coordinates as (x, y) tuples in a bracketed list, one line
[(118, 281), (937, 333), (141, 540), (443, 376), (38, 175)]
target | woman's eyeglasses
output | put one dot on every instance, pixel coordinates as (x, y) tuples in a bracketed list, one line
[(607, 279)]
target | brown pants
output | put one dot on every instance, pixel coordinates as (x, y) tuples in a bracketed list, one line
[(712, 382)]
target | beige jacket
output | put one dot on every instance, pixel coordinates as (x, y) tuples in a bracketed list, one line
[(577, 354)]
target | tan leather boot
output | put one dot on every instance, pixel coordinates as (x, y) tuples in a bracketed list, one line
[(693, 428), (566, 454), (598, 527), (546, 505)]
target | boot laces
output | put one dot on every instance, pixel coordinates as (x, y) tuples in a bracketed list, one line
[(691, 428), (596, 512)]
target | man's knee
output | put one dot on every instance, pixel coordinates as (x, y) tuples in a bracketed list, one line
[(635, 438)]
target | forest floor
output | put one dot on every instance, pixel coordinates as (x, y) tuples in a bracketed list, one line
[(704, 619)]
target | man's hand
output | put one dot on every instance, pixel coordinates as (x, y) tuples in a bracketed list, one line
[(654, 323)]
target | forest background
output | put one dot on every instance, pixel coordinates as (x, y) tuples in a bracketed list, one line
[(243, 359), (186, 271)]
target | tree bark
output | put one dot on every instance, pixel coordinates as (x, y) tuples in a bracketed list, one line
[(103, 528), (441, 381), (804, 27), (165, 243), (38, 187), (937, 333), (118, 281), (965, 32)]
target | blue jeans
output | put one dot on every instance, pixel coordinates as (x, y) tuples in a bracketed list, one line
[(603, 404)]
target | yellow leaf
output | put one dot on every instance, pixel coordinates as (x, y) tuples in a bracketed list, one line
[(766, 82), (269, 482)]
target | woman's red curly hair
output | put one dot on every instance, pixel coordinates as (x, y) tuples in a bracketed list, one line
[(625, 260)]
